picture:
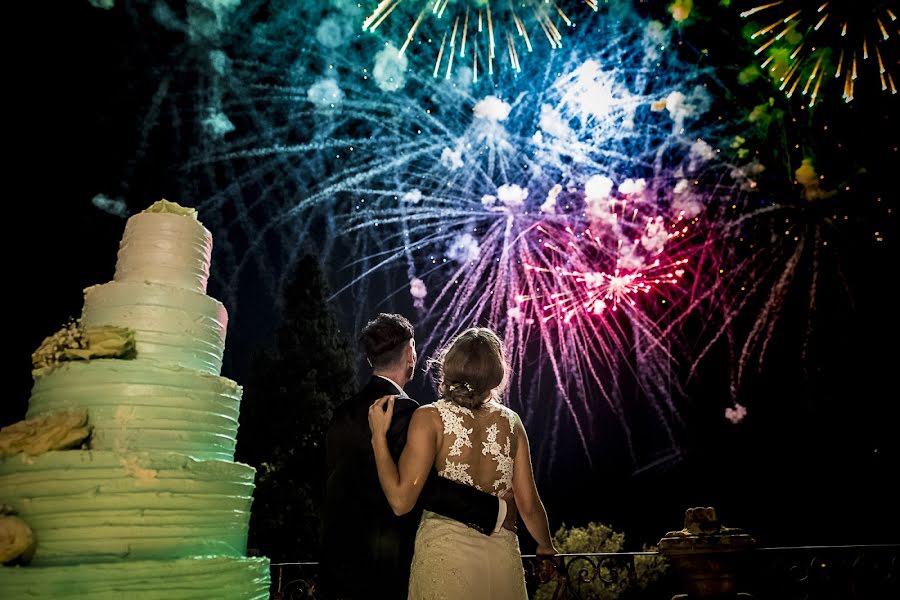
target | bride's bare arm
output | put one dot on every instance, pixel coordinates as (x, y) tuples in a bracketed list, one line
[(527, 498), (402, 483)]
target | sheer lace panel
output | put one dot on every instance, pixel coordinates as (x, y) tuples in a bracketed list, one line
[(478, 445)]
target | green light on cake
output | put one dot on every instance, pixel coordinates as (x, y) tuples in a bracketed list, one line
[(59, 430), (76, 342), (171, 208), (155, 506)]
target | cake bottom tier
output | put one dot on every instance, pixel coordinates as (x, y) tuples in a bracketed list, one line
[(192, 578), (93, 506)]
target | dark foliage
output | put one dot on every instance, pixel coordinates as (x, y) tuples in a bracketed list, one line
[(287, 404)]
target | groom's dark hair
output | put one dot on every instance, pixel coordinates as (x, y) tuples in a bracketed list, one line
[(384, 338)]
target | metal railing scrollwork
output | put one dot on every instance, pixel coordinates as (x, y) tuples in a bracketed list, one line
[(870, 572)]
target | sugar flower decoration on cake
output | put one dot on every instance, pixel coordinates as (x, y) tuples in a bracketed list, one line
[(74, 342), (16, 538), (59, 430), (172, 208)]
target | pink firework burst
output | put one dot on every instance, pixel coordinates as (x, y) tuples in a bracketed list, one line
[(586, 290), (593, 272)]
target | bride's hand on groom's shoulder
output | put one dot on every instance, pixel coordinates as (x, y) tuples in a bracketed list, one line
[(380, 414)]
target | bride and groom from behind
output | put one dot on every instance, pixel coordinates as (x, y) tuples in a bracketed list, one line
[(391, 528)]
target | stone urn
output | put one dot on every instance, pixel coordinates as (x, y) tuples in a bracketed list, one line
[(706, 556)]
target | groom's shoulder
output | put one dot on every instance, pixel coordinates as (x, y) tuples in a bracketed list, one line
[(364, 397), (405, 403), (369, 391), (352, 404)]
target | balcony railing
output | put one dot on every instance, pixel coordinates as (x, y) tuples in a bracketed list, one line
[(781, 573), (826, 572)]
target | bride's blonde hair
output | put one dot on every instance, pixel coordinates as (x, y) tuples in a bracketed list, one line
[(472, 368)]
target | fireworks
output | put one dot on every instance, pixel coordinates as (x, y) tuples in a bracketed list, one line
[(807, 43), (576, 263), (570, 214), (469, 29), (577, 210)]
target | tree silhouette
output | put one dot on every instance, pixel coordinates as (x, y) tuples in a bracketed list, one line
[(287, 404)]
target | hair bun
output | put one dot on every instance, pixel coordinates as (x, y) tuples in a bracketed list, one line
[(462, 393)]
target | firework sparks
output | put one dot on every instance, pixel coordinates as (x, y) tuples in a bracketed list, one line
[(470, 29), (427, 194), (805, 44), (588, 211), (589, 278), (569, 222)]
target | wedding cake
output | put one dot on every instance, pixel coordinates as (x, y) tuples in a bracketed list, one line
[(152, 504)]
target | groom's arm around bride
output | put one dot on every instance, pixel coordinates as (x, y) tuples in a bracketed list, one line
[(366, 550)]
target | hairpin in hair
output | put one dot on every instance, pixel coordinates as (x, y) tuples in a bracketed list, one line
[(453, 386)]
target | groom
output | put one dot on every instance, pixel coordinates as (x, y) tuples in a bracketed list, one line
[(366, 549)]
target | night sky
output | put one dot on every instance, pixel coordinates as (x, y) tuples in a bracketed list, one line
[(811, 463)]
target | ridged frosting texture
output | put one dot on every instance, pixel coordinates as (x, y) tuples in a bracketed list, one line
[(194, 578), (165, 248), (135, 405), (157, 508), (172, 326), (88, 506)]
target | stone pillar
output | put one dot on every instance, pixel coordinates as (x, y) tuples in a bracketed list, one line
[(706, 556)]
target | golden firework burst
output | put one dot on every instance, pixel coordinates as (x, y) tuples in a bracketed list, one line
[(806, 42), (473, 28)]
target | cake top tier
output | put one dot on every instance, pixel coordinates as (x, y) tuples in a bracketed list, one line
[(166, 244)]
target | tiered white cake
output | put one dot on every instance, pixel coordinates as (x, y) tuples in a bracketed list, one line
[(156, 507)]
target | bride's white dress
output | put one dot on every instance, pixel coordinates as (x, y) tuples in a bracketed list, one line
[(453, 561)]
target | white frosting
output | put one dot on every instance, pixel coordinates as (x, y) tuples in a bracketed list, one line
[(157, 508), (89, 506), (165, 248), (195, 578), (136, 405), (172, 326)]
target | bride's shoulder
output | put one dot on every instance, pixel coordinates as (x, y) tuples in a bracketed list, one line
[(511, 415), (427, 408), (428, 411), (427, 414)]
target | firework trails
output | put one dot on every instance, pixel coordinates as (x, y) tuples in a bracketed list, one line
[(469, 29), (803, 44), (580, 204)]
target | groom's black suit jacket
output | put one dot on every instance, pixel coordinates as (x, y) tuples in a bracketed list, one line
[(366, 549)]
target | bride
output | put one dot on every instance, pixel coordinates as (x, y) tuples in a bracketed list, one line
[(469, 437)]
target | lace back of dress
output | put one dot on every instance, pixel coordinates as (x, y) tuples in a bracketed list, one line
[(478, 446)]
